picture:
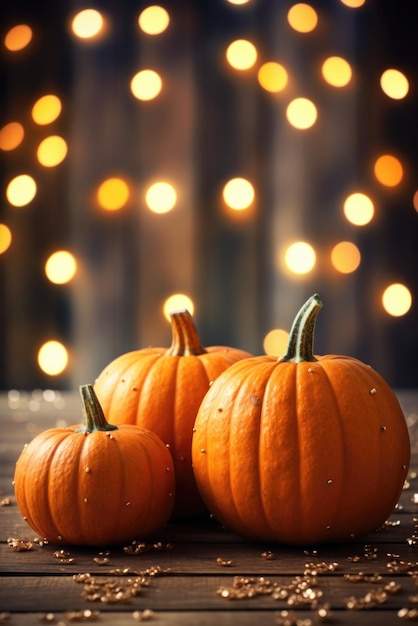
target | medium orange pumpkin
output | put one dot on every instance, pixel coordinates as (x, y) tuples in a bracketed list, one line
[(301, 449), (97, 484), (161, 389)]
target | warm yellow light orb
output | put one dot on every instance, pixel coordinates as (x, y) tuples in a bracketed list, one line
[(394, 84), (154, 20), (345, 257), (397, 300), (5, 238), (18, 37), (353, 4), (52, 151), (60, 267), (241, 54), (113, 194), (11, 136), (302, 17), (337, 71), (238, 194), (275, 342), (301, 113), (21, 190), (388, 170), (300, 258), (177, 302), (272, 77), (46, 110), (146, 85), (87, 24), (358, 209), (53, 358), (161, 197)]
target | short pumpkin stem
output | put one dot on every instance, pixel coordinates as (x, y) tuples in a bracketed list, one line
[(94, 418), (301, 337), (185, 339)]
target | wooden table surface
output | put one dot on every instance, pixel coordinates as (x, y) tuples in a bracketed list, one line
[(198, 573)]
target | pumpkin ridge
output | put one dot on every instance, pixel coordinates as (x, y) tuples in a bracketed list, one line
[(51, 510), (210, 463), (114, 397), (31, 506), (178, 413), (120, 472), (299, 462), (144, 405), (255, 399), (343, 445)]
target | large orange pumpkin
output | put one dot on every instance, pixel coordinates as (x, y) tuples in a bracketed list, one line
[(301, 449), (95, 484), (161, 389)]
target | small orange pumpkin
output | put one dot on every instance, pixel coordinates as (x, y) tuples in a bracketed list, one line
[(301, 449), (97, 484), (161, 389)]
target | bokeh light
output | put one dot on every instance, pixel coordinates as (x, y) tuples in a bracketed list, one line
[(53, 358), (415, 201), (238, 194), (153, 20), (388, 170), (302, 17), (300, 257), (239, 2), (358, 209), (11, 136), (18, 37), (336, 71), (52, 151), (272, 77), (21, 190), (146, 85), (113, 194), (301, 113), (353, 4), (5, 238), (177, 302), (397, 299), (345, 257), (394, 84), (161, 197), (46, 110), (87, 24), (241, 54), (60, 267), (275, 342)]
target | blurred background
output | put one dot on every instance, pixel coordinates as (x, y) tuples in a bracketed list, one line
[(231, 157)]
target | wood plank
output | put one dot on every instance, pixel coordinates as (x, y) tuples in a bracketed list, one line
[(379, 617), (180, 593), (202, 558)]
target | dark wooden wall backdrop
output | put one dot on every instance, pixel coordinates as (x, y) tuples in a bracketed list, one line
[(209, 124)]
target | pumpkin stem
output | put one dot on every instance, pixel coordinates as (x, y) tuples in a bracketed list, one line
[(185, 339), (301, 337), (94, 418)]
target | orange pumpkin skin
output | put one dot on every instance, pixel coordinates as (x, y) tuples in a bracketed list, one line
[(161, 390), (95, 488), (301, 452)]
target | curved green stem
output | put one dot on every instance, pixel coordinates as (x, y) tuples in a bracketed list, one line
[(94, 418), (301, 337), (185, 339)]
